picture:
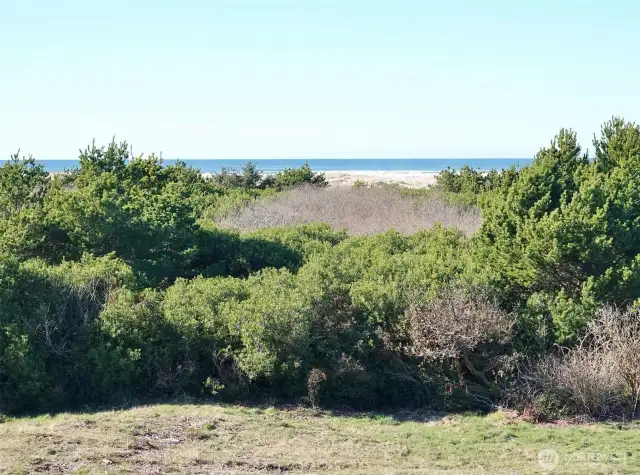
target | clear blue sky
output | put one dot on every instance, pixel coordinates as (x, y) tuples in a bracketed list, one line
[(313, 78)]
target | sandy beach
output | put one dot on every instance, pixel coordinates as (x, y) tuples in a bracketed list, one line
[(411, 179)]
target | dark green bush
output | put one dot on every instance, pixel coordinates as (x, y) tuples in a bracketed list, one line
[(565, 234), (23, 184), (49, 338), (250, 178), (473, 182), (290, 177)]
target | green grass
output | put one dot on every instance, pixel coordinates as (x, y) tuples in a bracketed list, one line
[(232, 439)]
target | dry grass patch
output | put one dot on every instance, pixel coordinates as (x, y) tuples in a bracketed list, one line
[(199, 439), (600, 377), (363, 210)]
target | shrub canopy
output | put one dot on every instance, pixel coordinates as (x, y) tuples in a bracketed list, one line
[(117, 284)]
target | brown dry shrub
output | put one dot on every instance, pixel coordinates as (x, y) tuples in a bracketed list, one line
[(315, 381), (466, 328), (617, 333), (359, 210), (580, 381), (599, 378)]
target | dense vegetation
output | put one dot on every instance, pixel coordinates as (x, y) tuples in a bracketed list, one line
[(116, 284)]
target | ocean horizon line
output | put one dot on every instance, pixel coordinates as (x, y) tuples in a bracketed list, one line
[(266, 165), (303, 158)]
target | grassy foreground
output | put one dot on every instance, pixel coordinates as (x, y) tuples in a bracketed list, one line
[(229, 439)]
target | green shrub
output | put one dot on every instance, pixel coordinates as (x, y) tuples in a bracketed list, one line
[(468, 181), (48, 330), (568, 228), (22, 185), (252, 179), (222, 252), (306, 240), (290, 177)]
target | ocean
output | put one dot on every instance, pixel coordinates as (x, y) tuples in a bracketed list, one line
[(327, 165)]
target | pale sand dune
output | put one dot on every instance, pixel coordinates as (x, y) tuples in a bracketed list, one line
[(409, 179), (348, 178)]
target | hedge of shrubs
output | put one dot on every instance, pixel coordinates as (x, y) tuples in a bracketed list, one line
[(116, 286)]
